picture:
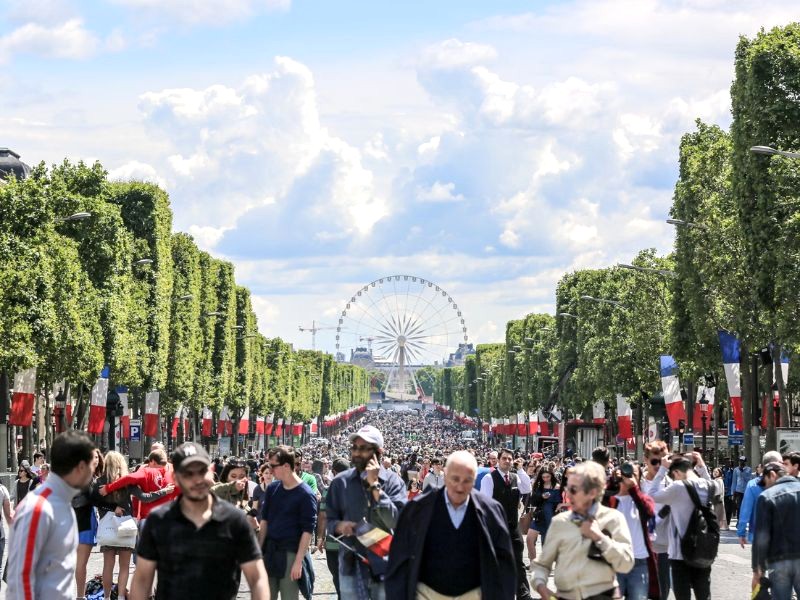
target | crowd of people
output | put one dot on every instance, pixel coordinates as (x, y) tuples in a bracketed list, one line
[(402, 506)]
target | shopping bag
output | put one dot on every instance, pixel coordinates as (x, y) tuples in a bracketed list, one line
[(126, 527), (108, 532)]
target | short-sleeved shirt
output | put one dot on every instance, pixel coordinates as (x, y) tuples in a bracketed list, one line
[(289, 513), (198, 563)]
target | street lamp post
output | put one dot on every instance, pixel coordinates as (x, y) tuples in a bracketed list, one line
[(770, 151), (703, 402)]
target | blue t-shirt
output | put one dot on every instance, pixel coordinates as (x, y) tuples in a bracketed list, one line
[(289, 513)]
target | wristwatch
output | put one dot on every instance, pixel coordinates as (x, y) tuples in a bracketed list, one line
[(375, 486)]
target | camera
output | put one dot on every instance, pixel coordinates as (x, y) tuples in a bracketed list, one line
[(627, 470)]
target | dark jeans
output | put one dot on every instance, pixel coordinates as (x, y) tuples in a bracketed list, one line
[(686, 578), (2, 552), (523, 587), (663, 575), (332, 558)]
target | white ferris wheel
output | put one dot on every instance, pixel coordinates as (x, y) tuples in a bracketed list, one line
[(403, 322)]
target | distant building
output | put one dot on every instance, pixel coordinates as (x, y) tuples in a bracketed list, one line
[(340, 357), (362, 357), (10, 164), (457, 358)]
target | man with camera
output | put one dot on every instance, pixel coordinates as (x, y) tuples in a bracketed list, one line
[(366, 494), (685, 577)]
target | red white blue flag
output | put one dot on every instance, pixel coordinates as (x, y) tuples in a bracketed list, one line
[(730, 361), (97, 410), (672, 391), (23, 398)]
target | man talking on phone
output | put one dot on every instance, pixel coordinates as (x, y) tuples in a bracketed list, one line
[(365, 496)]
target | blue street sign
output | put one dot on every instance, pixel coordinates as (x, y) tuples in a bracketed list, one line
[(688, 439), (735, 436), (136, 431)]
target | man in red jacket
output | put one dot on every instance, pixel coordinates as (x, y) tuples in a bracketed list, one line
[(151, 478)]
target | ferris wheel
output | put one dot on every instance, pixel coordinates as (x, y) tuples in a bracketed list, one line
[(399, 323)]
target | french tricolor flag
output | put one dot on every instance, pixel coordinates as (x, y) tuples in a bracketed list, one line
[(269, 426), (260, 426), (279, 428), (224, 424), (624, 417), (599, 412), (244, 422), (125, 419), (208, 421), (151, 413), (544, 426), (533, 423), (97, 410), (23, 398), (730, 361), (176, 421), (697, 419), (672, 390)]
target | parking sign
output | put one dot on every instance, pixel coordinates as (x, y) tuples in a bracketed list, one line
[(136, 430)]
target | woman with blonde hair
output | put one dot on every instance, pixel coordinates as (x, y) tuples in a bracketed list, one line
[(115, 467)]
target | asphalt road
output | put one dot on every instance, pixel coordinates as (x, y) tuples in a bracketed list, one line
[(730, 576)]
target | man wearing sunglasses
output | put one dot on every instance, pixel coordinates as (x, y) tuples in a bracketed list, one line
[(367, 493), (653, 453)]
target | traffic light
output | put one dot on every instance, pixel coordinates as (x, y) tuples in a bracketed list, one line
[(666, 432)]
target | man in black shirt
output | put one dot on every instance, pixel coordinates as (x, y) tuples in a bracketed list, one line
[(197, 543)]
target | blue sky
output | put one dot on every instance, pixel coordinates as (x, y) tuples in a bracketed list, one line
[(488, 147)]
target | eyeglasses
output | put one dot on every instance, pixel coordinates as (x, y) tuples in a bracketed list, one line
[(274, 465), (355, 448)]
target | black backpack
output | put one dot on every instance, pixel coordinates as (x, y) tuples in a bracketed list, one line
[(700, 543)]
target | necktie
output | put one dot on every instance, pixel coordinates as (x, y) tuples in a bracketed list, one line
[(507, 481)]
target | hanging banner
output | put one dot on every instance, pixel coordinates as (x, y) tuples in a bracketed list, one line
[(97, 409), (599, 412), (23, 398), (244, 422), (151, 413), (207, 422), (125, 419), (697, 420), (730, 361), (624, 414), (672, 391)]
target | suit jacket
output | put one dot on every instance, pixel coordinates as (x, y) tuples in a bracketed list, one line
[(498, 572)]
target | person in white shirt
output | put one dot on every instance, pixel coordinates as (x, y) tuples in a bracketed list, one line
[(685, 578), (435, 478)]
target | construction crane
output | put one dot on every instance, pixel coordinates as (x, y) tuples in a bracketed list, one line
[(314, 329)]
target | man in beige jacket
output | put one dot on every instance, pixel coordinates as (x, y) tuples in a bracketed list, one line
[(589, 544)]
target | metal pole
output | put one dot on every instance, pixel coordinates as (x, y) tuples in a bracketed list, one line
[(4, 400)]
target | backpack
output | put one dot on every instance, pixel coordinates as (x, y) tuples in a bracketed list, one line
[(700, 543)]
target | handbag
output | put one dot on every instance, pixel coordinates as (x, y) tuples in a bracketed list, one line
[(108, 532), (127, 527)]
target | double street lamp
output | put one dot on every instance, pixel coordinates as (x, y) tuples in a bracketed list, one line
[(770, 151), (79, 216)]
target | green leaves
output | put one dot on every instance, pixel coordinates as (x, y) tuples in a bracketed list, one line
[(77, 295)]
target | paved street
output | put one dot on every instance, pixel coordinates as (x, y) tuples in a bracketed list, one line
[(730, 577)]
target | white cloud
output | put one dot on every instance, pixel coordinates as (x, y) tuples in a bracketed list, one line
[(258, 153), (438, 192), (429, 147), (138, 171), (455, 54), (190, 12), (69, 40)]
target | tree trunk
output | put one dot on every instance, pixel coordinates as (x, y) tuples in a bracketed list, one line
[(772, 438)]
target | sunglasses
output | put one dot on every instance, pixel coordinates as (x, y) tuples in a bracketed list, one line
[(573, 489)]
